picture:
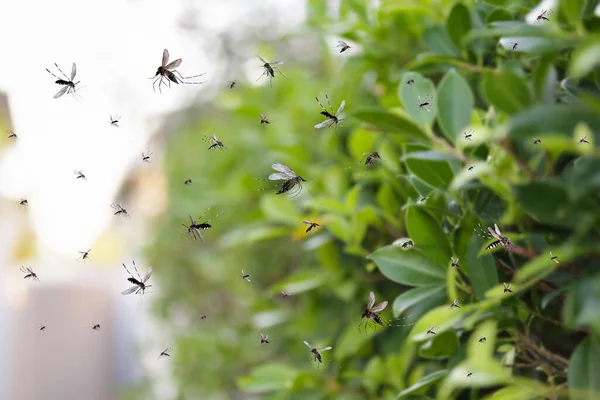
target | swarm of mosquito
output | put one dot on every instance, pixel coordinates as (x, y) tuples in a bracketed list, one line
[(316, 352), (289, 178), (194, 228), (269, 69), (371, 313), (332, 119), (29, 274), (68, 84), (119, 210), (139, 283), (167, 71)]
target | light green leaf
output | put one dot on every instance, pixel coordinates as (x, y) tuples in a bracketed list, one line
[(422, 88), (455, 101), (458, 23), (585, 58), (507, 91), (573, 10), (391, 122), (426, 232), (268, 378), (436, 292), (583, 370), (481, 271), (424, 382), (409, 267), (555, 118), (432, 172)]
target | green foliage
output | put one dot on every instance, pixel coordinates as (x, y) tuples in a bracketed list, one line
[(433, 186)]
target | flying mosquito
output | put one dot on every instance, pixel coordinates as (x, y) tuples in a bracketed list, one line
[(42, 327), (115, 121), (80, 175), (195, 227), (139, 285), (507, 287), (12, 135), (232, 84), (431, 331), (23, 202), (371, 159), (167, 71), (469, 374), (85, 255), (264, 120), (469, 135), (96, 327), (29, 274), (514, 44), (454, 304), (187, 182), (68, 84), (245, 276), (165, 352), (407, 245), (284, 295), (203, 317), (343, 46), (584, 140), (332, 119), (264, 339), (316, 352), (270, 69), (289, 177), (424, 103), (146, 156), (471, 167), (537, 141), (553, 258), (410, 82), (371, 312), (216, 143), (543, 16), (482, 339), (311, 225), (454, 262), (502, 241), (119, 210)]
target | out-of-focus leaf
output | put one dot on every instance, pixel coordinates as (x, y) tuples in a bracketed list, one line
[(434, 173), (350, 342), (581, 307), (481, 271), (498, 14), (544, 80), (427, 233), (458, 23), (507, 91), (573, 10), (429, 155), (455, 101), (439, 42), (555, 118), (423, 89), (414, 296), (268, 378), (520, 392), (441, 345), (583, 370), (424, 382), (409, 267), (301, 281), (391, 122), (585, 59)]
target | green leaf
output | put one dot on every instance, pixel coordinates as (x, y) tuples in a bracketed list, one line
[(458, 23), (409, 267), (350, 342), (455, 101), (481, 271), (507, 91), (424, 382), (435, 173), (429, 155), (585, 58), (581, 307), (268, 378), (545, 78), (426, 232), (418, 295), (583, 370), (391, 122), (439, 42), (572, 10), (441, 345), (423, 89), (499, 14), (520, 392), (555, 118)]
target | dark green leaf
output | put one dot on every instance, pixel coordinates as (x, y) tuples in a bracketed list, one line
[(434, 173), (439, 42), (581, 307), (572, 10), (556, 118), (424, 382), (391, 123), (481, 271), (442, 345), (417, 296), (458, 23), (583, 370), (545, 80), (409, 267), (498, 14), (585, 59), (507, 91), (426, 232), (455, 102)]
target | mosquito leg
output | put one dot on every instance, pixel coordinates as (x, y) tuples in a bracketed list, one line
[(316, 98), (331, 108), (52, 74), (261, 75), (204, 213), (277, 69), (67, 78)]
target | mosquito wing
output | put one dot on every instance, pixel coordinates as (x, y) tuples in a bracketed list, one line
[(192, 220), (371, 300), (277, 63), (307, 222), (73, 71), (263, 60), (341, 43), (325, 348), (130, 290), (323, 124), (165, 58), (278, 177), (174, 64), (147, 275), (493, 233), (61, 92), (380, 307), (308, 345), (497, 230), (341, 109), (284, 169)]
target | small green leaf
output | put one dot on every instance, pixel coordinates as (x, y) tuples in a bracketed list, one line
[(432, 172), (424, 382), (409, 267), (426, 232), (581, 307), (507, 91), (458, 23), (441, 345), (417, 296), (583, 370), (422, 89), (585, 58), (268, 378), (391, 122), (439, 42), (499, 14), (572, 10), (455, 101)]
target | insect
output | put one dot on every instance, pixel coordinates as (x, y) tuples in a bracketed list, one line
[(408, 244), (96, 327), (553, 258), (203, 317), (316, 352), (431, 331), (264, 339), (289, 177), (23, 202), (232, 84), (371, 159), (410, 82), (119, 210), (332, 119), (514, 44), (284, 295), (423, 199), (80, 175), (507, 287), (187, 182), (42, 327), (469, 135), (454, 304), (12, 135), (194, 228), (543, 16), (85, 255), (311, 225), (68, 84), (139, 285), (371, 312), (245, 276), (146, 157), (29, 274), (482, 339), (216, 143), (343, 46), (264, 119), (502, 241), (470, 167), (584, 140), (424, 103), (537, 141), (454, 262), (270, 69), (167, 70), (469, 374), (165, 353), (115, 121)]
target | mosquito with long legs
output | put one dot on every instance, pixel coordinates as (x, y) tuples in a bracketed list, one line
[(194, 228), (371, 313), (12, 135), (332, 119), (68, 84), (289, 177), (269, 69), (165, 353), (342, 46), (85, 255), (316, 352), (167, 71), (139, 285), (29, 274), (119, 210)]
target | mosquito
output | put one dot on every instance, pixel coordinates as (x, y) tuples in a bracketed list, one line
[(12, 135), (167, 71), (119, 210), (245, 276), (514, 44), (407, 245), (469, 374), (482, 339), (423, 199), (332, 119), (471, 167), (216, 143), (264, 339), (29, 274), (424, 103), (264, 120), (232, 84), (165, 352), (42, 327), (311, 225), (584, 140), (80, 175), (553, 258), (146, 156), (23, 202), (507, 287), (454, 304), (543, 16), (139, 285), (96, 327), (284, 295), (431, 331), (69, 84), (316, 352), (502, 241), (469, 135), (115, 121), (270, 69), (410, 82), (371, 159), (203, 317), (187, 182), (343, 46), (289, 177), (85, 255), (195, 227), (537, 141), (371, 312), (454, 262)]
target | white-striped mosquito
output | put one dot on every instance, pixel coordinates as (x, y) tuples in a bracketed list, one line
[(289, 177), (139, 285), (187, 182), (424, 103), (407, 245), (79, 175), (115, 121), (316, 352), (269, 69), (264, 120), (454, 262), (543, 16), (165, 353), (343, 46), (482, 339), (119, 210), (264, 339), (167, 71), (506, 287), (454, 304), (537, 141), (371, 312), (431, 331), (42, 327), (68, 84), (216, 143), (311, 225), (23, 202), (194, 228), (245, 276), (584, 140), (501, 240), (146, 156), (553, 258), (29, 274), (469, 135), (12, 135), (85, 255), (332, 119)]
